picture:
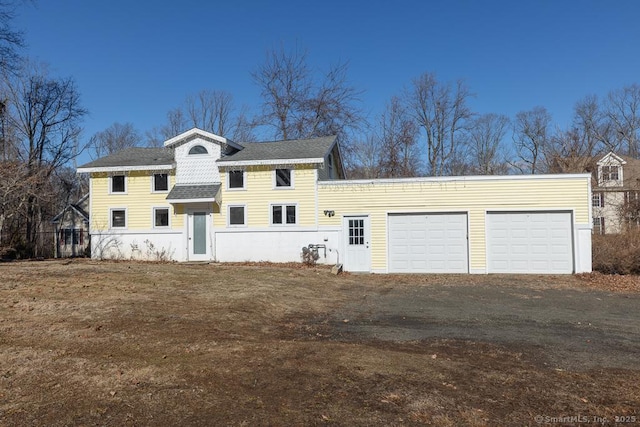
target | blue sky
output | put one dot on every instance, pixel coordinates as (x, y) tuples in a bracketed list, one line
[(135, 60)]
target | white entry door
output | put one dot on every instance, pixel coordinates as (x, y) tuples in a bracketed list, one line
[(357, 245), (199, 235)]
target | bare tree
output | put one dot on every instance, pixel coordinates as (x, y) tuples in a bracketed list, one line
[(11, 40), (114, 138), (576, 149), (46, 114), (285, 82), (398, 135), (210, 110), (176, 124), (441, 111), (530, 137), (592, 123), (623, 110), (484, 142), (367, 158), (297, 105)]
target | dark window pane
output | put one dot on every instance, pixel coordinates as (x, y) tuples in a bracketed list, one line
[(76, 236), (291, 214), (67, 236), (162, 218), (118, 218), (277, 215), (198, 149), (117, 184), (283, 177), (160, 182), (236, 179), (236, 215)]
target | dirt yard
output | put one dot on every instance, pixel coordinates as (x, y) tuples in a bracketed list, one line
[(118, 344)]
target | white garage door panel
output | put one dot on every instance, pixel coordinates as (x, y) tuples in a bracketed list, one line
[(428, 243), (529, 242)]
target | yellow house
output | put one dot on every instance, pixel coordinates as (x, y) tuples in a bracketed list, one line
[(205, 198)]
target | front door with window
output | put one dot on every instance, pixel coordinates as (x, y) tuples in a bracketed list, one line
[(357, 244), (199, 235)]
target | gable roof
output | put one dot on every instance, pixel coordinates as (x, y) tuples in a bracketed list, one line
[(76, 207), (199, 133), (296, 151), (612, 158), (134, 158)]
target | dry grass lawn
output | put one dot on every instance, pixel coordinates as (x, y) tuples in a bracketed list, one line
[(118, 344)]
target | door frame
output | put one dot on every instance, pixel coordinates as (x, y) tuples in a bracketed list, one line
[(347, 263), (208, 210)]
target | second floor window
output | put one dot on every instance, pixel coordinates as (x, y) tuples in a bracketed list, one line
[(236, 179), (160, 182), (283, 178), (610, 173), (118, 184)]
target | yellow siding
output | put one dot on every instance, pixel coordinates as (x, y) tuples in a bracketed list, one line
[(473, 196), (139, 200), (259, 194)]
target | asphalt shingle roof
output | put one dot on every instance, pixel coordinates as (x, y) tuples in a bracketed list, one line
[(192, 192), (135, 156), (315, 148)]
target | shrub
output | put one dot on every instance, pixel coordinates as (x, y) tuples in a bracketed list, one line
[(8, 253), (617, 253)]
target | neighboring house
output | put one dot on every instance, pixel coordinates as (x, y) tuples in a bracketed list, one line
[(205, 198), (72, 229), (616, 194)]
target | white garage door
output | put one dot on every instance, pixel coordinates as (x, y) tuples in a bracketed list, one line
[(428, 243), (529, 242)]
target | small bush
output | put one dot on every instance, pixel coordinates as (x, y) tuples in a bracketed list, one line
[(617, 253), (8, 253)]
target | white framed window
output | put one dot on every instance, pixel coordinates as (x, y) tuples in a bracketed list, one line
[(118, 218), (237, 215), (161, 217), (284, 214), (198, 150), (597, 200), (160, 182), (236, 180), (71, 236), (283, 178), (598, 225), (118, 184), (330, 166), (356, 232), (610, 173)]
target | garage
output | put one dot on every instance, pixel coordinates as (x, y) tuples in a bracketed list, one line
[(428, 243), (529, 242)]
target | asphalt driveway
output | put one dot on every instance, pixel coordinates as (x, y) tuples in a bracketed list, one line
[(562, 328)]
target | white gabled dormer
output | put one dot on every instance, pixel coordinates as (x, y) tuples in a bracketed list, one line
[(611, 170), (195, 153)]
